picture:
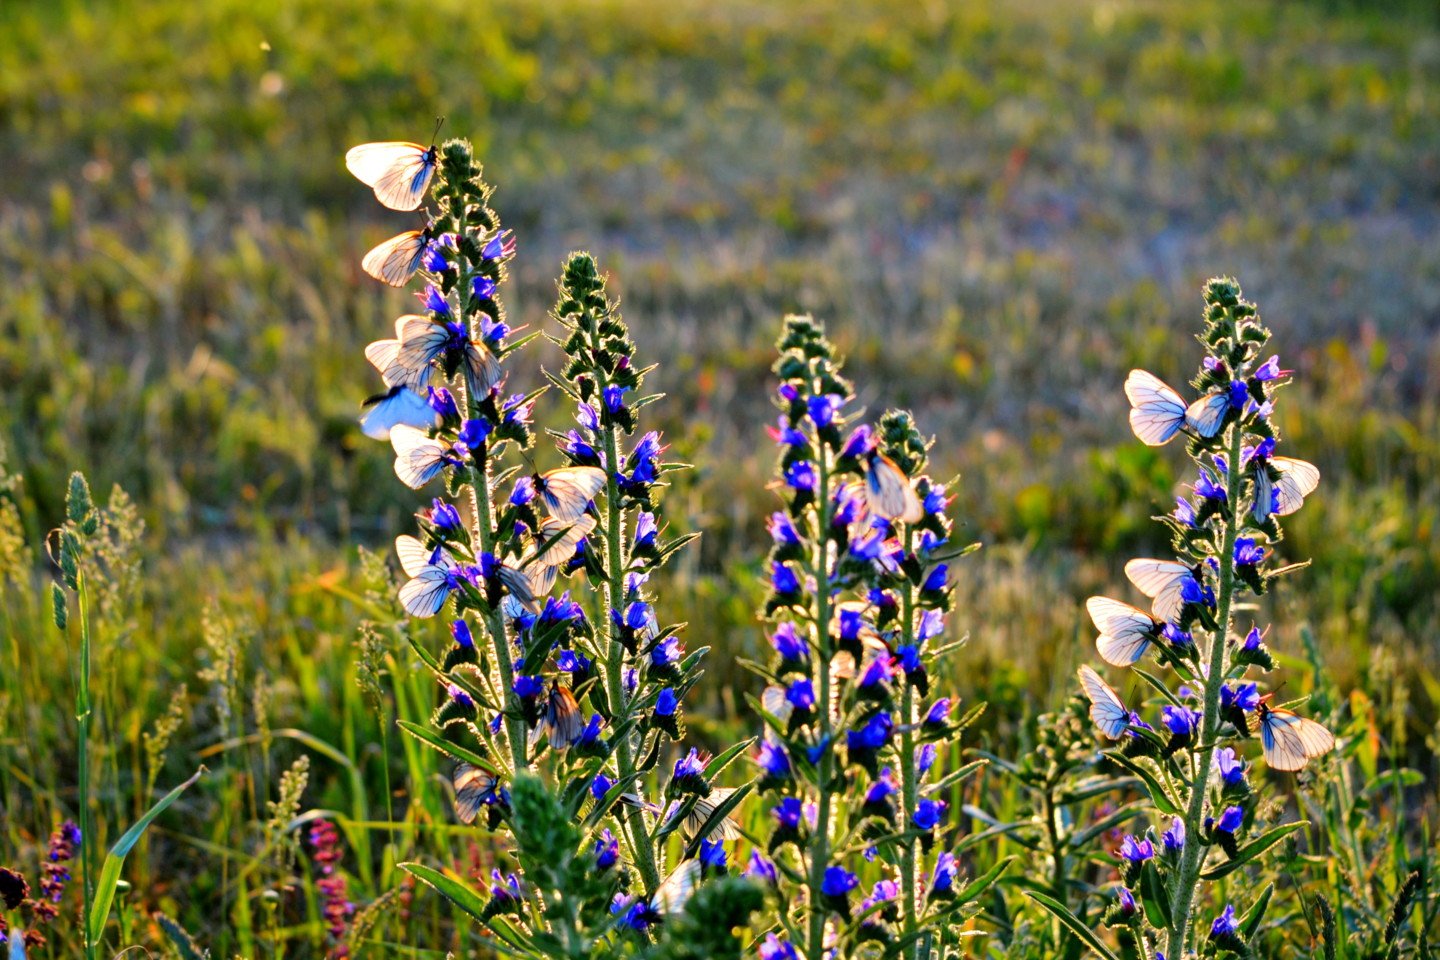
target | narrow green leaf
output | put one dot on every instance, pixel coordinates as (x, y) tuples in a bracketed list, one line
[(455, 751), (1083, 933), (1254, 848), (1256, 914), (1153, 785), (717, 816), (957, 775), (975, 888), (109, 877)]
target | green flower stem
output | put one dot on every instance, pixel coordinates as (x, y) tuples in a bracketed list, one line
[(1183, 896), (909, 775), (84, 715), (820, 570), (613, 591)]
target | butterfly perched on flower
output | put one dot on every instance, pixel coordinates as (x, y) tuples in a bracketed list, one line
[(433, 576), (1164, 582), (397, 406), (1106, 708), (568, 491), (560, 720), (419, 457), (1157, 413), (1290, 740), (1125, 632), (395, 261), (701, 811), (888, 491), (1293, 481), (474, 788), (556, 539), (398, 171), (676, 890)]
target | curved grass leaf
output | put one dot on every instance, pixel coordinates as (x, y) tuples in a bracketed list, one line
[(1082, 933), (1254, 848), (454, 751)]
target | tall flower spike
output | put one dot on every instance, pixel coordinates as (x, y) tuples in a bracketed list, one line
[(859, 588), (1224, 537)]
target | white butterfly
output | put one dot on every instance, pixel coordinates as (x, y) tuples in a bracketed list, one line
[(398, 171), (397, 406), (1106, 708), (431, 573), (419, 458), (1163, 581), (472, 788), (1205, 415), (527, 588), (561, 721), (1298, 479), (422, 342), (888, 490), (395, 261), (677, 889), (384, 356), (1156, 411), (727, 828), (568, 491), (559, 539), (1289, 740), (775, 703), (1125, 632)]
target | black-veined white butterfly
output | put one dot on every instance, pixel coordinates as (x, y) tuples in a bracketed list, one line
[(1156, 411), (1106, 708), (568, 491), (888, 490), (384, 356), (676, 890), (398, 171), (560, 721), (419, 458), (473, 789), (395, 261), (1163, 581), (432, 577), (423, 341), (1290, 740), (556, 539), (1205, 415), (1297, 480), (775, 703), (396, 407), (704, 807), (1125, 632), (526, 587)]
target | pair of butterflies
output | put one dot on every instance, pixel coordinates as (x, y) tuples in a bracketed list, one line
[(405, 365), (399, 172), (434, 575), (1288, 740)]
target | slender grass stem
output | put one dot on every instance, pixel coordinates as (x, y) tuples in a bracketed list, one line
[(84, 715)]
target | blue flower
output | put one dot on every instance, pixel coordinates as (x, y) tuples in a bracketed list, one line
[(600, 786), (925, 755), (688, 766), (493, 332), (580, 448), (939, 713), (1230, 767), (882, 892), (564, 609), (882, 787), (1245, 697), (782, 529), (773, 759), (785, 434), (822, 410), (607, 850), (1126, 899), (784, 579), (801, 694), (788, 812), (928, 813), (632, 913), (1207, 488), (432, 259), (613, 398), (482, 287), (591, 733), (936, 580), (801, 475), (1136, 851), (1181, 721), (1184, 513), (504, 888), (442, 402), (1253, 639), (666, 652), (523, 492), (859, 442), (773, 948), (852, 622), (528, 686), (666, 703), (838, 882), (500, 245), (1193, 591), (712, 854), (1225, 925), (761, 869), (435, 301), (946, 870), (932, 624), (1231, 819), (789, 644), (473, 432), (935, 500), (873, 735), (1239, 393), (460, 630), (1173, 839), (1247, 554), (645, 531), (878, 672), (1269, 370), (1176, 636), (459, 695)]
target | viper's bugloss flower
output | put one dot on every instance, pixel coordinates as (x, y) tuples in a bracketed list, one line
[(1231, 819), (712, 855), (500, 247), (882, 787), (878, 672), (1136, 851), (1239, 394), (688, 766), (1247, 554), (1173, 839), (1126, 900), (666, 703), (607, 850), (1230, 767), (645, 531), (458, 694), (761, 869), (633, 913), (444, 517), (482, 287), (928, 813), (947, 868), (838, 882), (786, 434), (773, 948), (852, 624), (460, 631), (442, 402), (822, 410), (600, 786), (613, 398), (872, 735), (434, 300), (860, 441), (1181, 721), (1208, 488), (801, 476), (666, 653), (1176, 636), (523, 491), (1253, 639), (935, 580), (801, 694), (1184, 513), (1245, 697), (1270, 369), (787, 812), (527, 686), (931, 625), (773, 759), (1225, 925), (883, 892), (782, 529), (473, 433), (783, 579), (790, 645), (925, 756), (939, 713)]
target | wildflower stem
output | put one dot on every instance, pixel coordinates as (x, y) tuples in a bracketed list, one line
[(1192, 857), (83, 714), (909, 774), (820, 570)]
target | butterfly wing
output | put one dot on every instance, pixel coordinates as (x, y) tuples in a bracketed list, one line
[(677, 889), (472, 786), (1156, 411), (398, 171), (1290, 740), (415, 556), (561, 721), (556, 540), (888, 491), (1162, 581), (1264, 487), (567, 492), (424, 594), (522, 587), (1298, 479), (727, 828), (775, 703), (421, 341), (395, 261), (418, 458), (1106, 708), (399, 406), (1207, 414), (1125, 632), (482, 370)]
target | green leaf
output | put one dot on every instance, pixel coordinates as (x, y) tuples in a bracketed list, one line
[(723, 760), (1105, 824), (450, 887), (1256, 914), (1082, 933), (974, 889), (1156, 898), (1153, 785), (454, 750), (109, 877), (957, 775), (717, 816), (1254, 848)]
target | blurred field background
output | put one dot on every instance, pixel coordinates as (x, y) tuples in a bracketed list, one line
[(999, 208)]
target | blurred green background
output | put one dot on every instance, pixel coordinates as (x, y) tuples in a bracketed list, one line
[(999, 208)]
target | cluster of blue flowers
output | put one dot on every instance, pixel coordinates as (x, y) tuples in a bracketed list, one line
[(1223, 535), (858, 594)]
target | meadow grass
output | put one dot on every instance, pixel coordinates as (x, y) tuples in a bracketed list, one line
[(999, 209)]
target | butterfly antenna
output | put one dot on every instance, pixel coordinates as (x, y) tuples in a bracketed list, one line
[(439, 122)]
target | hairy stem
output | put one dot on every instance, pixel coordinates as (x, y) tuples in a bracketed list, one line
[(84, 715), (820, 570), (909, 776), (1191, 858)]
